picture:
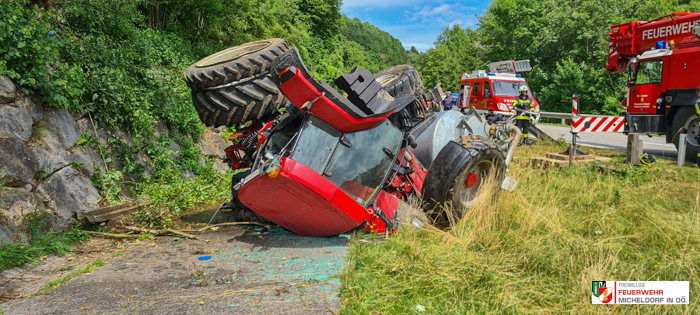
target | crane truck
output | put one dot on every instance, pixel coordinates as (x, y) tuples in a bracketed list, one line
[(662, 59)]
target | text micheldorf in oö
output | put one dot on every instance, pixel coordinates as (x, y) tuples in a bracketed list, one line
[(640, 292)]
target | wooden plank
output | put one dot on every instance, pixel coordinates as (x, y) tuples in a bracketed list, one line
[(107, 213)]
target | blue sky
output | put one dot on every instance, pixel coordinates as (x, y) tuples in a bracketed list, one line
[(415, 22)]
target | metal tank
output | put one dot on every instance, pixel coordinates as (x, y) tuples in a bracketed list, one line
[(448, 126)]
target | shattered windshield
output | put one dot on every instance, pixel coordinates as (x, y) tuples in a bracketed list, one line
[(508, 88), (317, 142), (360, 168), (355, 162)]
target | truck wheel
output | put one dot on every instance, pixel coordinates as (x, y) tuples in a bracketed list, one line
[(408, 216), (459, 171), (686, 117), (234, 85), (400, 81), (240, 212)]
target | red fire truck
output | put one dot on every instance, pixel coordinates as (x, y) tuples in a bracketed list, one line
[(662, 58)]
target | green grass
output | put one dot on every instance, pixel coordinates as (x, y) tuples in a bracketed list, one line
[(18, 254), (86, 269), (536, 250)]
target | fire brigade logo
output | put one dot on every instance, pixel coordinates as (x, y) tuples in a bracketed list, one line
[(601, 292)]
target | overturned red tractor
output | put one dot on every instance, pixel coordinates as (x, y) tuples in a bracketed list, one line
[(333, 163)]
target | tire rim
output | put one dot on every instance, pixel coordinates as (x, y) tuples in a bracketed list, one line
[(693, 129), (232, 53), (387, 79), (467, 185)]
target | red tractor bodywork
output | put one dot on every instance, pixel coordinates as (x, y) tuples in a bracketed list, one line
[(305, 202)]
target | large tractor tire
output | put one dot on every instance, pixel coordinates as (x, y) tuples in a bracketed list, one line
[(686, 117), (458, 172), (234, 85), (400, 81)]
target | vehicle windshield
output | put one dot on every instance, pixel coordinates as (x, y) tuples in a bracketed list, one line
[(508, 88), (317, 142), (650, 71), (357, 165)]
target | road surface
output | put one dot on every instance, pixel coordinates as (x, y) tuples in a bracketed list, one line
[(655, 146)]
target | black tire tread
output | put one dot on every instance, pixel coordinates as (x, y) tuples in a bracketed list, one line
[(244, 66), (406, 73)]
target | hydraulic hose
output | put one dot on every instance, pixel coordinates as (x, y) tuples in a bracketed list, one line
[(513, 142)]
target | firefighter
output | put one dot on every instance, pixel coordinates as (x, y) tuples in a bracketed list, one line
[(697, 111), (521, 104)]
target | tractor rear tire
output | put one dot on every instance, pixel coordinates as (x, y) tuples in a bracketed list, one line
[(686, 117), (459, 171), (401, 81), (234, 85)]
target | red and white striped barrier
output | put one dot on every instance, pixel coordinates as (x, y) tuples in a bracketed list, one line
[(594, 123), (597, 124)]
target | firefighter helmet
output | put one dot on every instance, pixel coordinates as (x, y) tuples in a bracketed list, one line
[(523, 88), (647, 160)]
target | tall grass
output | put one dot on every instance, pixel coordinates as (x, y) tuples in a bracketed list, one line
[(536, 250)]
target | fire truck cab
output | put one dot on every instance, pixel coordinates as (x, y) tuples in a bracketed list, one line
[(495, 91), (662, 60)]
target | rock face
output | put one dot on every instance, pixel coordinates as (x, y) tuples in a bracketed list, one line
[(213, 145), (15, 123), (50, 154), (18, 162), (31, 104), (61, 124), (68, 192), (15, 203), (7, 90)]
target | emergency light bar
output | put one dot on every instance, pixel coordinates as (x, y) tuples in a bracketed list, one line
[(510, 66)]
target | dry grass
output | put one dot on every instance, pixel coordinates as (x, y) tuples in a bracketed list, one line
[(536, 250)]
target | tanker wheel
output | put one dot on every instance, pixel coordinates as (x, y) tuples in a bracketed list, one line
[(409, 216), (457, 174), (686, 117), (400, 81), (240, 212), (234, 86)]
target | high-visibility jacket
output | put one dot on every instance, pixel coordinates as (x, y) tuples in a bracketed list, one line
[(697, 106), (523, 103)]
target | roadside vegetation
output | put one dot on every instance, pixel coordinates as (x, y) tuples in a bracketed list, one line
[(536, 250), (42, 243)]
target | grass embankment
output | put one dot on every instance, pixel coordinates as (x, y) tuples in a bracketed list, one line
[(536, 250)]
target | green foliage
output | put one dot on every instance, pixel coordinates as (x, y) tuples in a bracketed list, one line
[(170, 201), (109, 184), (17, 254), (454, 53), (377, 42), (29, 55)]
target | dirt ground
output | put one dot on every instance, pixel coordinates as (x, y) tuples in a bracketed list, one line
[(251, 271)]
